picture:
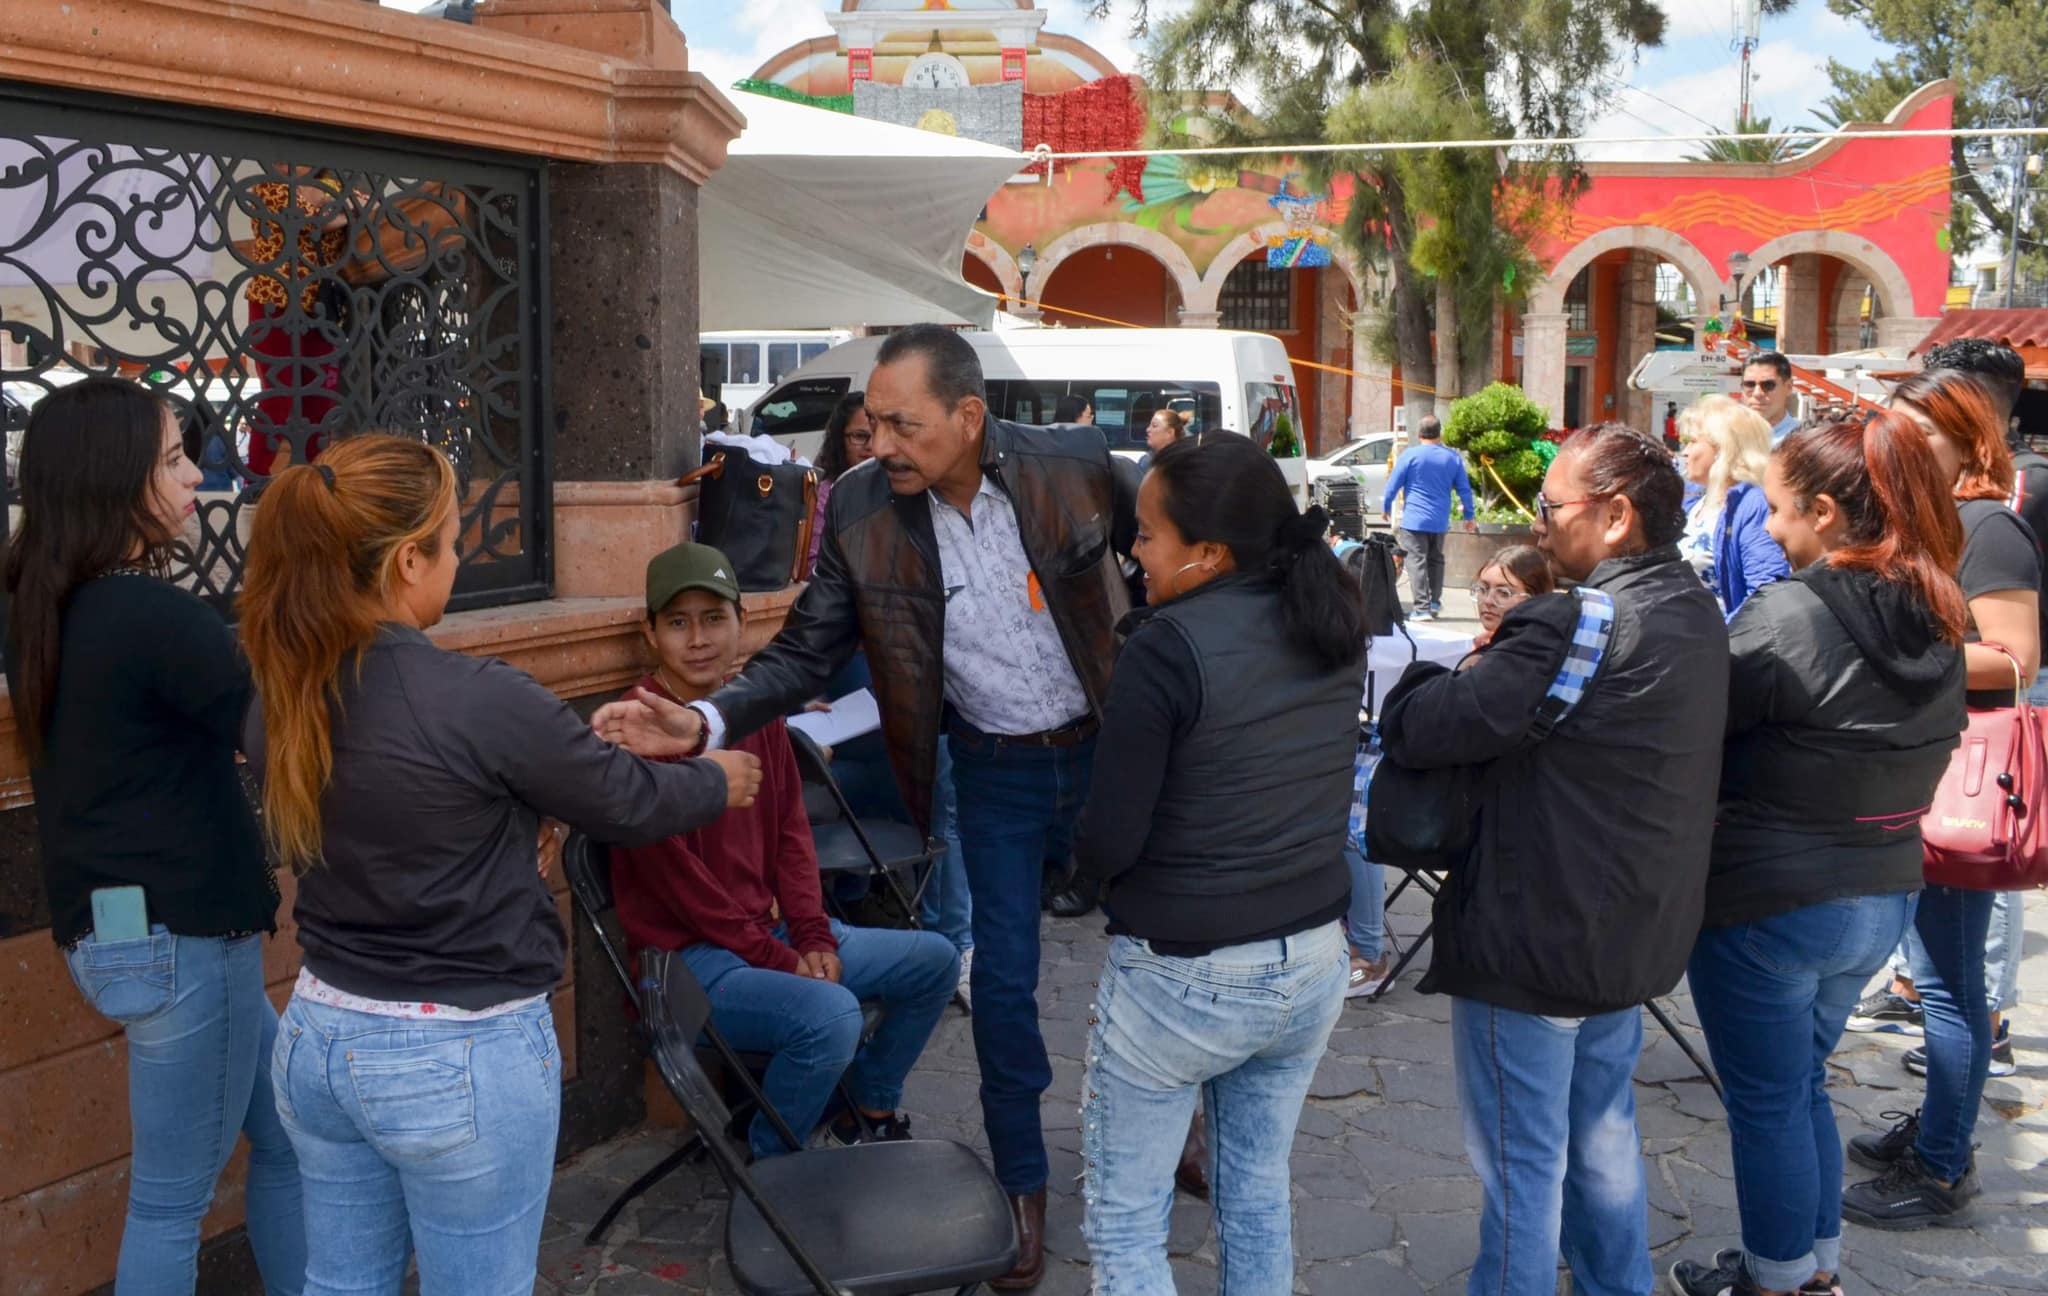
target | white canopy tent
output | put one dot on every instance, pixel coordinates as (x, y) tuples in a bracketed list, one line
[(819, 219)]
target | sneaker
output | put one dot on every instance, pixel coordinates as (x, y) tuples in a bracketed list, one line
[(1367, 978), (1881, 1151), (1821, 1287), (2002, 1061), (1887, 1013), (1422, 614), (963, 994), (1907, 1196), (893, 1128), (1727, 1276), (1436, 609)]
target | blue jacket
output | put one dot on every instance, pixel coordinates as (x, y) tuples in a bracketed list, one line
[(1428, 473), (1745, 557)]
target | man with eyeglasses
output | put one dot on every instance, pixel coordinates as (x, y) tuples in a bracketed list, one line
[(1767, 389), (1586, 881)]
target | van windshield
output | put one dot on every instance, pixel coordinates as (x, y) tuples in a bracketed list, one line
[(797, 407), (1265, 405)]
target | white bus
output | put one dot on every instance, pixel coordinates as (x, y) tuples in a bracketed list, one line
[(1219, 379), (736, 367)]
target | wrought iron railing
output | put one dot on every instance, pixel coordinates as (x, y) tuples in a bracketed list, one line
[(284, 286)]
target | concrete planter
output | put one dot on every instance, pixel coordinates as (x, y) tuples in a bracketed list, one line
[(1465, 554)]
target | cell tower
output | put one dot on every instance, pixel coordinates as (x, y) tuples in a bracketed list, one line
[(1749, 27)]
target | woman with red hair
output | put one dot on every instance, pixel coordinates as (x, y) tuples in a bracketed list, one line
[(1928, 1171), (1857, 657)]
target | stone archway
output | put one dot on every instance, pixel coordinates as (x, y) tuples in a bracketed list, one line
[(1706, 280), (1115, 234), (1001, 264), (1894, 294), (1209, 296)]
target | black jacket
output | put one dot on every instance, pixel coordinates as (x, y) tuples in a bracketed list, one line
[(1843, 707), (876, 585), (1584, 889), (1221, 797)]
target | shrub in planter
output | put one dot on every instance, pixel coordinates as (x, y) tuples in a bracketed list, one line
[(1502, 425)]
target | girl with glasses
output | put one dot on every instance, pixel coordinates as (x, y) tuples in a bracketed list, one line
[(1514, 575)]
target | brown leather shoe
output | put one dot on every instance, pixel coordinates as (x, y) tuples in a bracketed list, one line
[(1192, 1176), (1030, 1212)]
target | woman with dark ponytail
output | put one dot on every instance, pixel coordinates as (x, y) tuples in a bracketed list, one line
[(1855, 662), (1216, 829)]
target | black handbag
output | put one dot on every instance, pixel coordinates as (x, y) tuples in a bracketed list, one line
[(1428, 818), (758, 515), (1371, 564)]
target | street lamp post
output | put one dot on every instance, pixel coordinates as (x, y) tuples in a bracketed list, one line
[(2003, 160)]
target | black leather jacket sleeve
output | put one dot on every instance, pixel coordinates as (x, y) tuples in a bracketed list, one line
[(820, 635), (1437, 718)]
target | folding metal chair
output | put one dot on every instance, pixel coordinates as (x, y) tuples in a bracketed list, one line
[(873, 1219), (883, 849), (587, 865)]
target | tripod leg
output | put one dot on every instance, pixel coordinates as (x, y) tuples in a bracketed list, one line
[(1685, 1047)]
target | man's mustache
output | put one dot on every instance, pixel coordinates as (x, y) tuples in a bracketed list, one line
[(898, 466)]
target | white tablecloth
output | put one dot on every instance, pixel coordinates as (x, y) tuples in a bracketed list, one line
[(1390, 654)]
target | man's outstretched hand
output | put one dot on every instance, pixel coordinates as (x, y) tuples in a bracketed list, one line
[(648, 724), (742, 776)]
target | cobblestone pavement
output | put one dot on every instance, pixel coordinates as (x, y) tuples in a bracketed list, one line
[(1385, 1202)]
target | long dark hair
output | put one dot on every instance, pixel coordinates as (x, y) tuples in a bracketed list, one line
[(832, 458), (88, 467), (1902, 528), (1226, 490), (1959, 405)]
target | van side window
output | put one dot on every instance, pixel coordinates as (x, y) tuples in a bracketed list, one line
[(783, 359), (1123, 409), (746, 363), (713, 366)]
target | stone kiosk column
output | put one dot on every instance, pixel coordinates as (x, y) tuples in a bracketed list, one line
[(1543, 360)]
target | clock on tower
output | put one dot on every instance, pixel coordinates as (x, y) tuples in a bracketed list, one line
[(936, 72)]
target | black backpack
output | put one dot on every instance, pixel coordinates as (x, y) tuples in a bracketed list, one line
[(1371, 564)]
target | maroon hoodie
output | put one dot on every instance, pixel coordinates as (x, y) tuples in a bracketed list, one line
[(724, 884)]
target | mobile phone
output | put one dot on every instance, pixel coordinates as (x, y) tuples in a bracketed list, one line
[(118, 914)]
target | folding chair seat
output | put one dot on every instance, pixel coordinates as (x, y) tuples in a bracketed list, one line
[(587, 865), (875, 1219)]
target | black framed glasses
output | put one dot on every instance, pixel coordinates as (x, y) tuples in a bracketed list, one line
[(1545, 506)]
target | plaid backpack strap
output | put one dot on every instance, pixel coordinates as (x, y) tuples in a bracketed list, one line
[(1582, 660)]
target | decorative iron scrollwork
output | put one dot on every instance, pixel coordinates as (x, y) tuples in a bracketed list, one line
[(282, 291)]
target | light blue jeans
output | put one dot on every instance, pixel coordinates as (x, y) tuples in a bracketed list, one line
[(199, 1028), (948, 909), (419, 1135), (1550, 1124), (1242, 1029), (1366, 923), (811, 1028)]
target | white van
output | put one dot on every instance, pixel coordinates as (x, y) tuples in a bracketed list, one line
[(737, 367), (1220, 379)]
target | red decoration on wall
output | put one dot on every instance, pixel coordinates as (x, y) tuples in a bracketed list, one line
[(1104, 115), (1013, 65), (860, 66)]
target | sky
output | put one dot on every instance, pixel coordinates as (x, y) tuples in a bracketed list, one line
[(1688, 85)]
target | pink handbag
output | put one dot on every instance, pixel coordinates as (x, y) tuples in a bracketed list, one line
[(1985, 830)]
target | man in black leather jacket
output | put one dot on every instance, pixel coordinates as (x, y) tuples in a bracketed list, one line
[(976, 562), (1582, 894)]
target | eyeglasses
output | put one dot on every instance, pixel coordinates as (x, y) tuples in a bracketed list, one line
[(1507, 594), (1545, 506), (859, 438), (1764, 385)]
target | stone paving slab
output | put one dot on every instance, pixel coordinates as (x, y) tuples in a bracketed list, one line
[(1385, 1201)]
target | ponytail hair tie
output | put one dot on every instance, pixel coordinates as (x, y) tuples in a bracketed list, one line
[(326, 475), (1298, 535)]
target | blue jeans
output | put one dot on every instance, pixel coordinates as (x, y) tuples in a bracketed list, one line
[(1242, 1028), (1952, 925), (812, 1028), (1366, 923), (421, 1135), (947, 908), (2003, 949), (1018, 805), (199, 1027), (1550, 1125), (1773, 996)]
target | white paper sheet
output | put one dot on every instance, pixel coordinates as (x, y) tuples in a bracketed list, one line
[(850, 717)]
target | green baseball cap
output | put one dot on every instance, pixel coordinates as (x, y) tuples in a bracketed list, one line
[(688, 567)]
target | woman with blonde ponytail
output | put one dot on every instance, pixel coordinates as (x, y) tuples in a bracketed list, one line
[(416, 1066)]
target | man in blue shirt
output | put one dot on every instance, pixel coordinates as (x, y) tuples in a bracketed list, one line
[(1428, 473)]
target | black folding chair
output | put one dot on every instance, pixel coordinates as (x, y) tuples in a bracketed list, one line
[(873, 1219), (1430, 883), (883, 849), (587, 865)]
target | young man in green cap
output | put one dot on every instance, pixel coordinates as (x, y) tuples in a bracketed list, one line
[(740, 899)]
